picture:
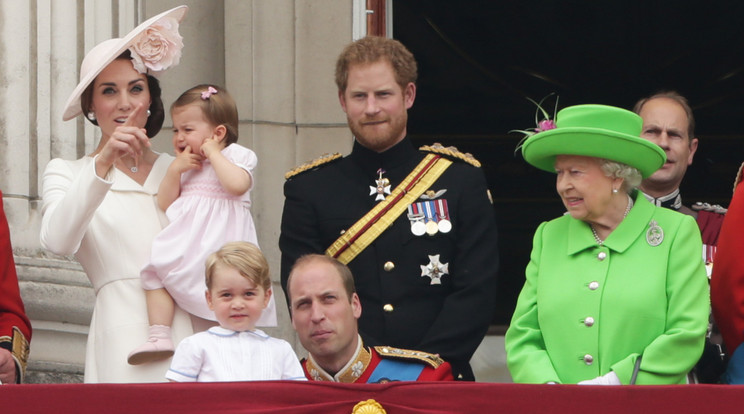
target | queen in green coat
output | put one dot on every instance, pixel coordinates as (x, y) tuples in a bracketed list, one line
[(616, 290)]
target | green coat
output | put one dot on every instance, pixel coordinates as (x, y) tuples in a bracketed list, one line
[(585, 310)]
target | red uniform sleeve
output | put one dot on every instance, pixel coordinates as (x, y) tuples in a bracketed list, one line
[(727, 281), (709, 223), (12, 313)]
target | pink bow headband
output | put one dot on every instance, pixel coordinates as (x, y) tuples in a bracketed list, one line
[(209, 92)]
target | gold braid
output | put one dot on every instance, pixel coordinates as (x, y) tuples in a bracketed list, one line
[(323, 159), (451, 152), (739, 176)]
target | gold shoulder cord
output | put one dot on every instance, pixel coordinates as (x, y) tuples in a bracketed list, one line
[(739, 176), (430, 359), (323, 159), (451, 152)]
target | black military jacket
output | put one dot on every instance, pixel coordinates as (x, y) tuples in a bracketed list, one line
[(402, 306)]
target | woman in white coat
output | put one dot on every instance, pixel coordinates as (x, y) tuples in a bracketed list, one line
[(102, 207)]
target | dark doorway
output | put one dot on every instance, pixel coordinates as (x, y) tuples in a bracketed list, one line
[(479, 61)]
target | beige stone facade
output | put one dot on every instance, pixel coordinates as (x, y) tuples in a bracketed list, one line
[(276, 57)]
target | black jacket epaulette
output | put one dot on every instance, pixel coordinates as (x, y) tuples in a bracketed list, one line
[(451, 152), (322, 160), (390, 352)]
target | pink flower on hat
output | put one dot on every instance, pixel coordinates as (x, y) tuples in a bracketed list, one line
[(158, 47), (545, 125)]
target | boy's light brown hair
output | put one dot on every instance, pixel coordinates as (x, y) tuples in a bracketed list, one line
[(244, 257)]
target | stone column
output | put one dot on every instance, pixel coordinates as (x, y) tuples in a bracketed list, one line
[(279, 62)]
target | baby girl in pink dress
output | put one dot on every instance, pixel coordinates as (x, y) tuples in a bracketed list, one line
[(206, 196)]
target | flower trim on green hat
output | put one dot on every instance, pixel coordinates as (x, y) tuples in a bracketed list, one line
[(546, 124), (598, 131)]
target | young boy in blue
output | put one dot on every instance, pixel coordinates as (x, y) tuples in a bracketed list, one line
[(238, 290)]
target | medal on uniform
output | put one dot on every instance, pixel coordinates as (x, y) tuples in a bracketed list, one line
[(418, 228), (431, 227), (431, 217), (381, 187), (443, 219), (435, 270), (654, 234)]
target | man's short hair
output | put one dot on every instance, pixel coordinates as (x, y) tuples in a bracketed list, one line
[(676, 97), (373, 49), (343, 271)]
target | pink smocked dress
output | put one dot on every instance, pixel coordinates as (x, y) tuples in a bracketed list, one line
[(202, 219)]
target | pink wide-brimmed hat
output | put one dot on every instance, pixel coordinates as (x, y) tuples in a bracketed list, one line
[(155, 46)]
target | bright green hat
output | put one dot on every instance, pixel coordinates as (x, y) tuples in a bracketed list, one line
[(595, 131)]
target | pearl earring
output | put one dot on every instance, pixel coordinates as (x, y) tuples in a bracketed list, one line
[(614, 190), (92, 116), (149, 113)]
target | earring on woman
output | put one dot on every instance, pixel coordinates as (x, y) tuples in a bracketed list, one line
[(614, 190), (149, 113), (92, 116)]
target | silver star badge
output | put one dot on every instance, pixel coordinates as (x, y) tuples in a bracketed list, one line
[(435, 269), (382, 186)]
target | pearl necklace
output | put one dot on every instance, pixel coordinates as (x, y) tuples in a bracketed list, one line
[(627, 210)]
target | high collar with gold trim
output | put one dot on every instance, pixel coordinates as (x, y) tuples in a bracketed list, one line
[(349, 373)]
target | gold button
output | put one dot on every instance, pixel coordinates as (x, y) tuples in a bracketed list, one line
[(389, 266), (388, 308), (601, 256)]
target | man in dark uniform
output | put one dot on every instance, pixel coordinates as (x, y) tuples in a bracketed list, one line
[(421, 244), (325, 309), (668, 122), (15, 329)]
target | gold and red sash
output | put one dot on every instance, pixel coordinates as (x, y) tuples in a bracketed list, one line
[(360, 235)]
